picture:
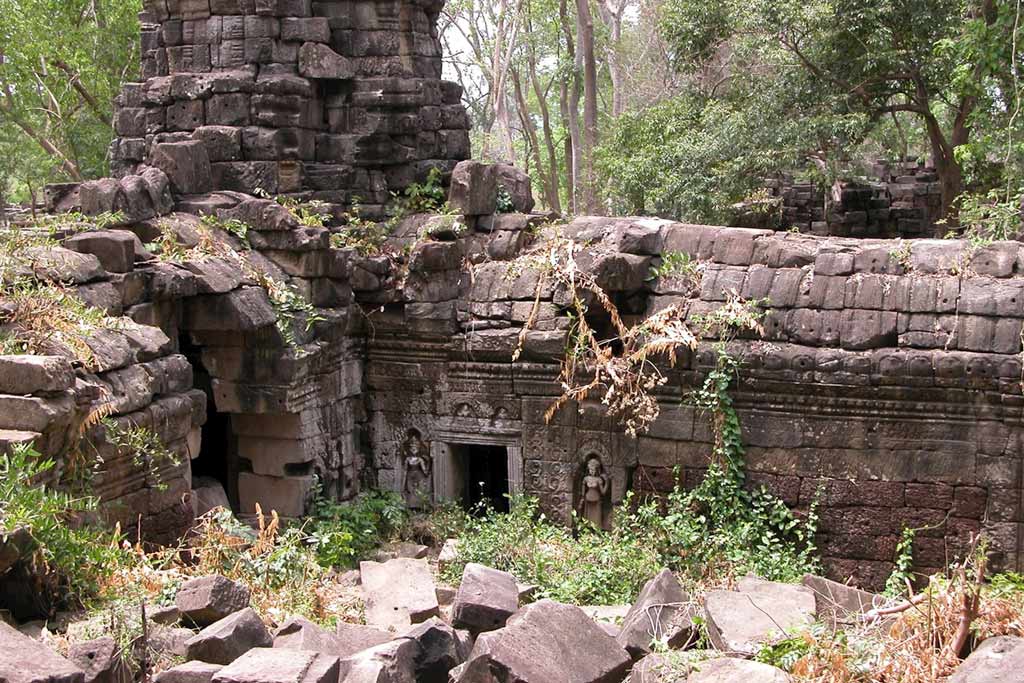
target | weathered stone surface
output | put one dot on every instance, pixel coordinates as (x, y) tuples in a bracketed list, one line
[(226, 640), (757, 612), (731, 670), (34, 374), (100, 659), (438, 651), (353, 638), (474, 189), (319, 61), (391, 662), (301, 634), (485, 600), (207, 599), (996, 660), (186, 164), (23, 660), (266, 665), (663, 612), (398, 592), (115, 249), (63, 265), (547, 641), (189, 672), (839, 603), (518, 186)]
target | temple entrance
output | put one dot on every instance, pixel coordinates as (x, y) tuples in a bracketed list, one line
[(475, 474), (485, 476)]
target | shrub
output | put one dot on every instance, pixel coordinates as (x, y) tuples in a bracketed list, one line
[(344, 533), (71, 556)]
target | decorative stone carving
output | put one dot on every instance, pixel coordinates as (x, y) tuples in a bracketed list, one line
[(417, 490), (593, 493)]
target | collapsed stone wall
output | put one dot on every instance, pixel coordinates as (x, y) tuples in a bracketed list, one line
[(904, 202), (338, 101)]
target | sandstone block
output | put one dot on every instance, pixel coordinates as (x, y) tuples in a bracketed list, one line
[(839, 603), (189, 672), (474, 189), (23, 660), (353, 638), (35, 374), (543, 642), (226, 640), (757, 612), (486, 599), (662, 612), (100, 659), (997, 660), (266, 665), (186, 164), (207, 599), (316, 60), (287, 495), (731, 670), (398, 592), (518, 186), (115, 249)]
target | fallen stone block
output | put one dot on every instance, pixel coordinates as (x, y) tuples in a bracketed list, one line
[(23, 660), (740, 621), (189, 672), (115, 249), (100, 659), (399, 593), (228, 639), (353, 638), (474, 189), (207, 599), (836, 603), (731, 670), (186, 164), (392, 662), (543, 642), (485, 600), (26, 374), (662, 612), (996, 660), (439, 651), (267, 665), (301, 634), (518, 186)]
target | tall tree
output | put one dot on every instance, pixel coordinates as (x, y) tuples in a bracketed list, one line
[(936, 60), (587, 171)]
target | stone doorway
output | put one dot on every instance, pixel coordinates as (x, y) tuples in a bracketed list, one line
[(471, 470)]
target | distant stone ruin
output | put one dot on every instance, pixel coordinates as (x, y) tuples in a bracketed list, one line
[(889, 377)]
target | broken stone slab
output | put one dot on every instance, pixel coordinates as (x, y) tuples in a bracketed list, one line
[(23, 660), (115, 249), (474, 189), (100, 659), (267, 665), (485, 600), (439, 650), (316, 60), (662, 612), (58, 264), (24, 374), (399, 593), (208, 496), (391, 662), (302, 634), (228, 639), (189, 672), (170, 640), (740, 621), (518, 186), (413, 551), (996, 660), (543, 642), (353, 638), (732, 670), (207, 599), (836, 603)]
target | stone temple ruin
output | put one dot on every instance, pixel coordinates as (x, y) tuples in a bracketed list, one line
[(889, 375)]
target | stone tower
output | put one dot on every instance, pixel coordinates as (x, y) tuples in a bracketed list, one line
[(338, 101)]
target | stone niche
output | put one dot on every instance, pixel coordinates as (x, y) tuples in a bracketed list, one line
[(335, 100)]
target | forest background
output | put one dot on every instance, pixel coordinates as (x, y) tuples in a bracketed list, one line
[(677, 108)]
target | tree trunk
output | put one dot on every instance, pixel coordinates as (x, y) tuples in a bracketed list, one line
[(611, 15), (946, 166), (530, 135), (571, 113), (586, 37), (549, 142)]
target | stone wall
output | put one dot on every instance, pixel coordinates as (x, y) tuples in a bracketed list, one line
[(338, 101)]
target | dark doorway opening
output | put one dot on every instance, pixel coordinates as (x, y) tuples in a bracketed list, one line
[(484, 472), (216, 459)]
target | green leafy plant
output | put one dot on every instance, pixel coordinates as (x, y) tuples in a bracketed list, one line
[(677, 264), (145, 448), (232, 226), (366, 237), (504, 204), (902, 571), (69, 556), (989, 217), (429, 196), (343, 533)]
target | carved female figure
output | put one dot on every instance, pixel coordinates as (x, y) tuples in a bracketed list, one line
[(593, 490), (418, 487)]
